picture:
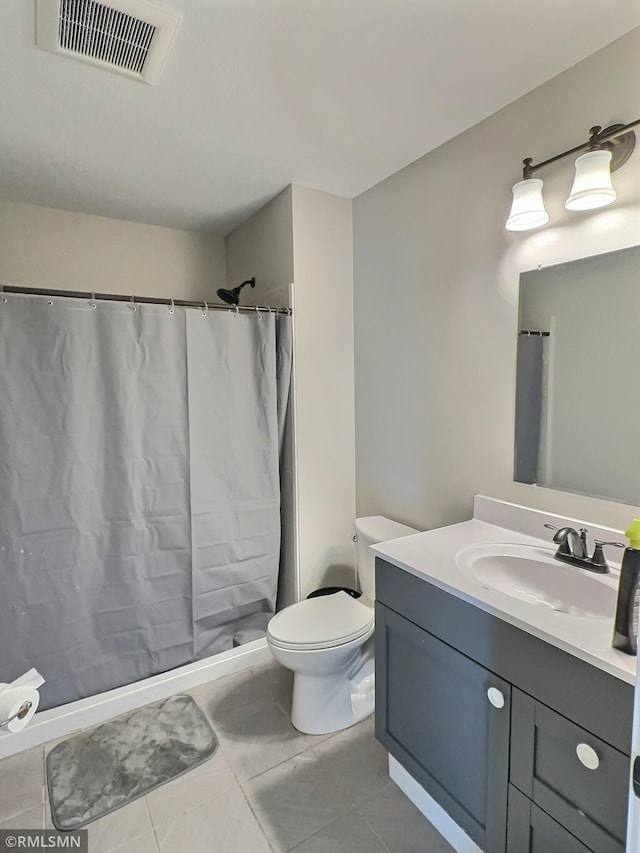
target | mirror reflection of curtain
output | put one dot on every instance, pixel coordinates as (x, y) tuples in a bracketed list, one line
[(544, 462), (528, 407)]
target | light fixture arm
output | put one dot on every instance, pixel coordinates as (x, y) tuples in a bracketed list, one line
[(620, 139)]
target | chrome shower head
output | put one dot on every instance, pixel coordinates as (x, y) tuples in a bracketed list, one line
[(232, 297)]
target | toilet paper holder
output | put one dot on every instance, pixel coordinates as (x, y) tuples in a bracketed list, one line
[(22, 711)]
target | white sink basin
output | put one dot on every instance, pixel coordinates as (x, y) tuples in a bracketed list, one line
[(531, 574)]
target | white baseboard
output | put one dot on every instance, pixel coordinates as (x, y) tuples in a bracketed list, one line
[(61, 721), (434, 813)]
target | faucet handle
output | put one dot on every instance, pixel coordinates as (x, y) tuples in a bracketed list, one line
[(599, 560), (550, 526)]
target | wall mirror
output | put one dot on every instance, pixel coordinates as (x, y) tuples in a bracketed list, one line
[(578, 377)]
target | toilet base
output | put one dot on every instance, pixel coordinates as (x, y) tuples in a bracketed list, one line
[(323, 704)]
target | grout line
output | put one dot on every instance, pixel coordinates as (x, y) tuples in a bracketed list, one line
[(373, 830), (196, 782), (130, 841), (278, 764), (387, 785), (4, 819), (257, 819), (334, 819), (153, 827), (228, 763), (155, 838)]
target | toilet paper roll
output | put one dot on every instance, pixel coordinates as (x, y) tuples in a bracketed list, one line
[(12, 699), (32, 678)]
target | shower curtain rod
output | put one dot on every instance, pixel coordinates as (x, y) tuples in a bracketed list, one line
[(138, 300)]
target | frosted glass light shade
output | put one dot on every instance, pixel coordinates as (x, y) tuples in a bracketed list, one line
[(592, 185), (527, 209)]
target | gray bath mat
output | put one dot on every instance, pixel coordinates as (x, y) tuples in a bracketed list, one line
[(108, 766)]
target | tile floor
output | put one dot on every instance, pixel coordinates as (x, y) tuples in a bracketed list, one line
[(268, 789)]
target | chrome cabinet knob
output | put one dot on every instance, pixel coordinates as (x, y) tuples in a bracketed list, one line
[(587, 756), (495, 697)]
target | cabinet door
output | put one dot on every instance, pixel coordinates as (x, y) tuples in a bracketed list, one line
[(434, 715), (530, 830)]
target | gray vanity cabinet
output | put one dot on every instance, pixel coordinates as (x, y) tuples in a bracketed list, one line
[(436, 719), (525, 746)]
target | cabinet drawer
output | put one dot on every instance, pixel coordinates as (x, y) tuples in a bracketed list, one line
[(530, 830), (572, 775)]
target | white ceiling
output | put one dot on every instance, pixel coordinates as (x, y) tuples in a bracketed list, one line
[(256, 94)]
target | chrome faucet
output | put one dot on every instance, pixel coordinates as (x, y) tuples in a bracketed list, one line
[(574, 549), (570, 542)]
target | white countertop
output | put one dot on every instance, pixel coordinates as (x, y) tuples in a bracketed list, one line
[(432, 556)]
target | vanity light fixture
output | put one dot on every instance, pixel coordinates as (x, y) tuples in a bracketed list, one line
[(605, 151), (592, 185), (527, 209)]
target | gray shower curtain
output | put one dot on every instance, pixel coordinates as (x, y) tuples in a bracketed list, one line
[(139, 487), (528, 408)]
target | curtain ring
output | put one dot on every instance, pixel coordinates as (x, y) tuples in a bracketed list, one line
[(237, 311), (3, 298), (172, 310), (206, 310), (93, 301), (132, 304)]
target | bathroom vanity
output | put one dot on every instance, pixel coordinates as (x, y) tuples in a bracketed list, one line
[(510, 713)]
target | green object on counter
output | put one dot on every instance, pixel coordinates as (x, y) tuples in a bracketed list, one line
[(633, 533), (625, 631)]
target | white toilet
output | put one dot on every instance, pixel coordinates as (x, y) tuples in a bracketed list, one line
[(328, 642)]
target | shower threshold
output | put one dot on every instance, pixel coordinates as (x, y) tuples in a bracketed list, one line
[(61, 721)]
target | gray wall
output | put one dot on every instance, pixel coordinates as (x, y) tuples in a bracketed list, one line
[(435, 289), (324, 386), (262, 246), (60, 249)]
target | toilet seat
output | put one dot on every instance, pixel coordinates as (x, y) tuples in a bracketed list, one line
[(320, 623)]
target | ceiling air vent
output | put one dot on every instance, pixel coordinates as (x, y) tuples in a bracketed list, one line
[(130, 37)]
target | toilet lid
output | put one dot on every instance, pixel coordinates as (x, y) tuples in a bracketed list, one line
[(322, 622)]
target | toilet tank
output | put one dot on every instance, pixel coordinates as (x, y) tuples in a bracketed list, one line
[(369, 531)]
